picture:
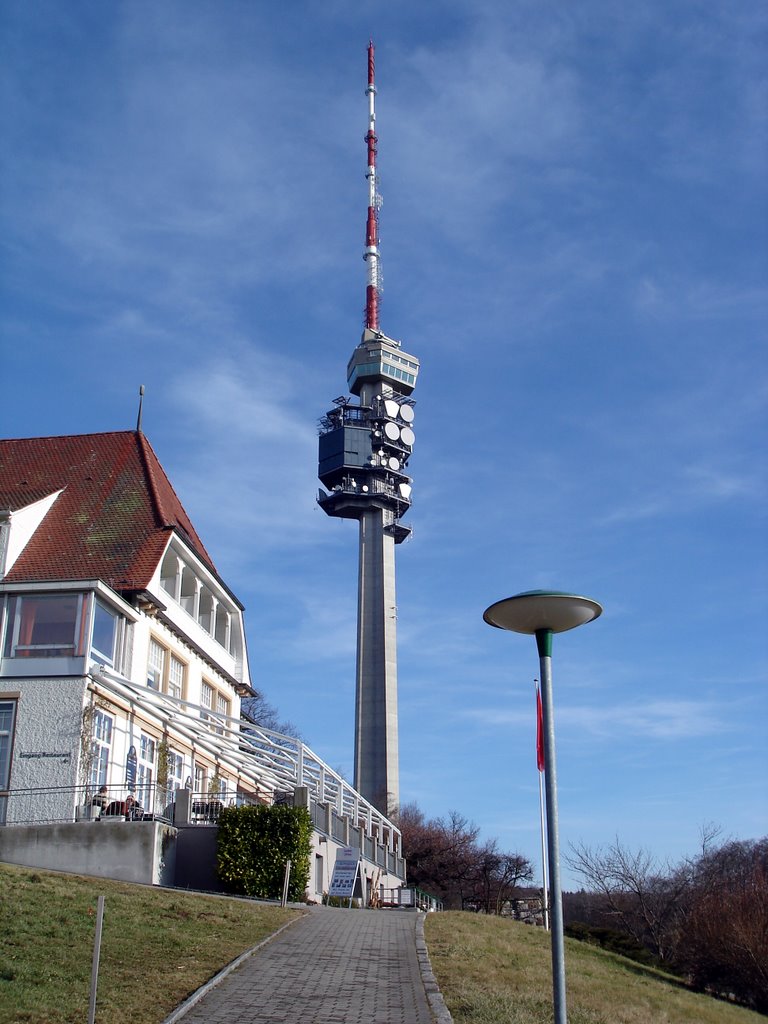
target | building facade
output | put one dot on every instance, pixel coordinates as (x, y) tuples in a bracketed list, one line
[(123, 660)]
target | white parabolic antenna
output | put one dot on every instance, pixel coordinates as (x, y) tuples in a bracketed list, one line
[(392, 431), (405, 490), (392, 408), (394, 464), (406, 412), (407, 436)]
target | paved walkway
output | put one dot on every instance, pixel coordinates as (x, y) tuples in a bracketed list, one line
[(331, 967)]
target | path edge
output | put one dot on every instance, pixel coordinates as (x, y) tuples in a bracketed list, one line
[(217, 978), (439, 1010)]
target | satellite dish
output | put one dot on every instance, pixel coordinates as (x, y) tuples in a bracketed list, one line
[(392, 408), (365, 487), (392, 431), (405, 490), (394, 464), (407, 436), (406, 412)]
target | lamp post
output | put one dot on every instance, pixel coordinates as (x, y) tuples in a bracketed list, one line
[(541, 613)]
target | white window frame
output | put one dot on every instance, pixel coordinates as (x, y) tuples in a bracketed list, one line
[(146, 762), (176, 679), (113, 657), (156, 665), (102, 731)]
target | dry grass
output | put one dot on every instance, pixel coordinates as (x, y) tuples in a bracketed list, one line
[(158, 946), (493, 971)]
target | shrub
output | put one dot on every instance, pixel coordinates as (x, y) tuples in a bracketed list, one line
[(612, 940), (254, 844)]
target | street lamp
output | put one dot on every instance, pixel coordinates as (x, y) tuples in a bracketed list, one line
[(541, 613)]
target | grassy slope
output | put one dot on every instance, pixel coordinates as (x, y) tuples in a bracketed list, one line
[(493, 971), (158, 946)]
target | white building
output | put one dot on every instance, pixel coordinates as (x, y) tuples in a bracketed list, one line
[(123, 664)]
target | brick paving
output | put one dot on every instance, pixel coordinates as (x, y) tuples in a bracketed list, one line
[(331, 967)]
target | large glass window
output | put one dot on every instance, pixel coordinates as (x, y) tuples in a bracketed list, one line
[(105, 632), (45, 626)]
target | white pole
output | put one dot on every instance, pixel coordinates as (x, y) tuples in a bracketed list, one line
[(544, 644), (96, 956), (286, 880), (544, 873)]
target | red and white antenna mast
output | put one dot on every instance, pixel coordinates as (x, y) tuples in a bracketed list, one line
[(371, 253)]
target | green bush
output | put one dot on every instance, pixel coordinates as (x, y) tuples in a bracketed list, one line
[(615, 942), (254, 844)]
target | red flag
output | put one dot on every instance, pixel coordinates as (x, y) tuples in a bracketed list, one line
[(539, 733)]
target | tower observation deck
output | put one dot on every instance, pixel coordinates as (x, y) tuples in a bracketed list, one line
[(364, 450)]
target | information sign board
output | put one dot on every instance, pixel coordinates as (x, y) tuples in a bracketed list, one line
[(345, 872)]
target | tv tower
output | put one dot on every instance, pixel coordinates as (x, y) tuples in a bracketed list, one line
[(364, 451)]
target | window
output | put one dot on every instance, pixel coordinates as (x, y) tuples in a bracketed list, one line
[(207, 610), (7, 719), (222, 706), (175, 771), (45, 626), (176, 677), (200, 776), (210, 609), (170, 574), (106, 632), (165, 672), (101, 747), (155, 665), (206, 699), (213, 701), (146, 771), (217, 788)]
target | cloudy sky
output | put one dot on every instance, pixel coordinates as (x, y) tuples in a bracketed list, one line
[(574, 245)]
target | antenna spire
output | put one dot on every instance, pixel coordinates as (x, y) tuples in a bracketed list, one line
[(141, 408), (371, 252)]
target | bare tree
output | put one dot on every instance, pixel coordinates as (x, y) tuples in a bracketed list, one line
[(445, 858), (723, 941), (259, 711), (639, 895)]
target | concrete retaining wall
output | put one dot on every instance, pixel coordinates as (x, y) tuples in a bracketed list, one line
[(133, 851)]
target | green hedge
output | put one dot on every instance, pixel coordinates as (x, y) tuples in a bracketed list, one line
[(254, 844)]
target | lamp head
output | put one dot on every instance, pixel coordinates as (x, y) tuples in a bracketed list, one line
[(535, 610)]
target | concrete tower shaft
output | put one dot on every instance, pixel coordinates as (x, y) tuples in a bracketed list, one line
[(377, 769)]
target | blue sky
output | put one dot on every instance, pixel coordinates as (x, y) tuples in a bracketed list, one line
[(574, 244)]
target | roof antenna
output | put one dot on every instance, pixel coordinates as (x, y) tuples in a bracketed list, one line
[(141, 406)]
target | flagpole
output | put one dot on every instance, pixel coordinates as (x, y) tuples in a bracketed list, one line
[(540, 767)]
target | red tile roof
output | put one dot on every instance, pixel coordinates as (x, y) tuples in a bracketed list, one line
[(114, 516)]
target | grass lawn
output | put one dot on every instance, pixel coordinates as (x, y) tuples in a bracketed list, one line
[(158, 946), (493, 971)]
